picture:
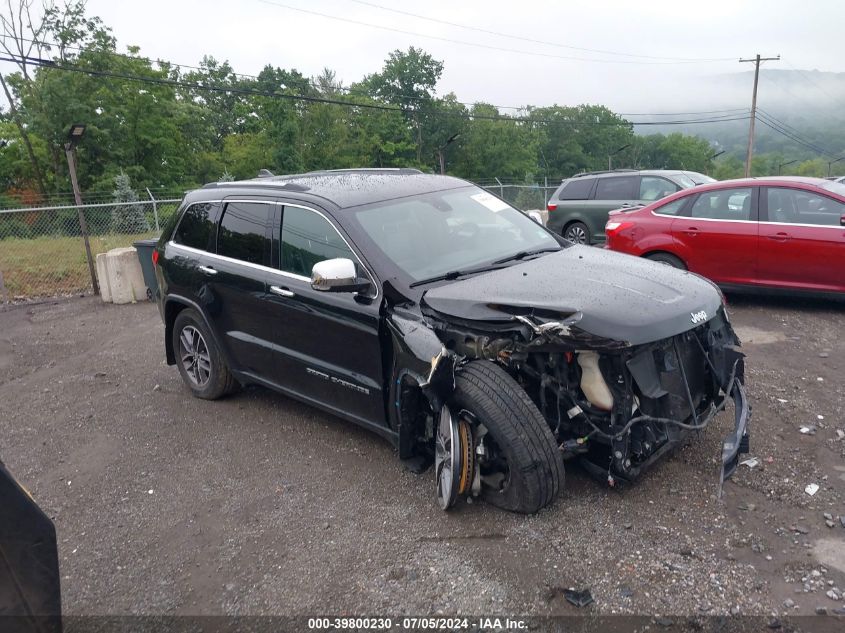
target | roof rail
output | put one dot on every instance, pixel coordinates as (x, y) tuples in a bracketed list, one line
[(367, 170), (606, 171)]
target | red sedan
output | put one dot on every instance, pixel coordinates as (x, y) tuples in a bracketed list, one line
[(784, 233)]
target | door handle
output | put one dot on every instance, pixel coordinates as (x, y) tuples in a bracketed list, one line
[(208, 270), (693, 230), (282, 292), (779, 237)]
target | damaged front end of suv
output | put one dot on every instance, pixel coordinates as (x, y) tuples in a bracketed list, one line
[(620, 383)]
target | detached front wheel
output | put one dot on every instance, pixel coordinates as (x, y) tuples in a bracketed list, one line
[(510, 449)]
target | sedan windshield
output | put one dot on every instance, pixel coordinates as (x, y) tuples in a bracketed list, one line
[(439, 233), (834, 186)]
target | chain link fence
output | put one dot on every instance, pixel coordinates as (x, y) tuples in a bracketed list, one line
[(42, 253), (521, 196)]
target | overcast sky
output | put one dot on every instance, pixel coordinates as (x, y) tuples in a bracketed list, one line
[(252, 33)]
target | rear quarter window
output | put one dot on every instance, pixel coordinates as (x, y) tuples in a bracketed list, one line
[(672, 208), (196, 226), (576, 189)]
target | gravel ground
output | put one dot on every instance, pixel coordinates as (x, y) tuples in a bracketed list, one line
[(257, 504)]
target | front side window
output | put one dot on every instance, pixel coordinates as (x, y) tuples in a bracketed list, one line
[(798, 206), (616, 188), (308, 238), (196, 226), (724, 204), (456, 230), (653, 188), (241, 233), (577, 189)]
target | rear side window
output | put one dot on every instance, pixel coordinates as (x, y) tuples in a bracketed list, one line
[(617, 188), (242, 231), (724, 204), (576, 189), (308, 238), (196, 226)]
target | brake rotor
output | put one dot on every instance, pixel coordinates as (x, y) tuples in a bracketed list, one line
[(447, 459), (467, 453)]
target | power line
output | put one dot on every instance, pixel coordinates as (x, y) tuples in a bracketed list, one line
[(466, 43), (348, 90), (804, 143), (536, 41), (791, 129), (35, 61), (809, 80)]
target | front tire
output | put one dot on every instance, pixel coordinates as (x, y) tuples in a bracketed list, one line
[(517, 435), (199, 360)]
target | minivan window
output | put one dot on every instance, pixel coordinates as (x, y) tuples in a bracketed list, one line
[(241, 233), (196, 226), (654, 187), (616, 188), (308, 238), (577, 189)]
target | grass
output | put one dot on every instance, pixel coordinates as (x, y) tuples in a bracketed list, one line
[(49, 266)]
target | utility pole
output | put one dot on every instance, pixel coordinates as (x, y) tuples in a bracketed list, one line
[(756, 62), (74, 136)]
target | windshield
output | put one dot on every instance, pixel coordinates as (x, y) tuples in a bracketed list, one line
[(459, 229), (698, 179), (834, 186)]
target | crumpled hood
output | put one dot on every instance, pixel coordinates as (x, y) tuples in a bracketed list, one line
[(620, 297)]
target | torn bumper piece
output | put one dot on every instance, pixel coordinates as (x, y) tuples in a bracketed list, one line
[(737, 442)]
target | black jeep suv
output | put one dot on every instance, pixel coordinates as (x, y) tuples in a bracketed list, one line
[(445, 320)]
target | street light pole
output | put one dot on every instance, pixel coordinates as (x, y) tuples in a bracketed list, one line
[(610, 156), (75, 134), (441, 152), (785, 164)]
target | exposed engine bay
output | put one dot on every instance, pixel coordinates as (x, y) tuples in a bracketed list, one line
[(616, 407)]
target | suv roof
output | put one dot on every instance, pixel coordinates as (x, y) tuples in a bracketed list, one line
[(349, 187), (622, 172)]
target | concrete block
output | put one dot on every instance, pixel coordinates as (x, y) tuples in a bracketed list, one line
[(544, 214), (103, 277), (121, 278)]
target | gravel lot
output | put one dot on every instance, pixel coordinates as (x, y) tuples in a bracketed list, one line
[(257, 504)]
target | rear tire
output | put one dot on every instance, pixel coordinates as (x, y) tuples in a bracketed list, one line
[(198, 358), (577, 232), (518, 431), (668, 259)]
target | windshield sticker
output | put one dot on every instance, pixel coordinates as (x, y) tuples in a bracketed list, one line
[(491, 202)]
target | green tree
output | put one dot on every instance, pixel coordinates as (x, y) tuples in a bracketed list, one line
[(127, 216)]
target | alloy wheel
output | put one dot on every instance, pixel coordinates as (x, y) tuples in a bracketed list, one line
[(193, 351), (576, 234)]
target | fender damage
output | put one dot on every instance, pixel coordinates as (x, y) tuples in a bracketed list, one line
[(616, 403)]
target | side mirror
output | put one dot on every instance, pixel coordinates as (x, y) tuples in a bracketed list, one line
[(535, 215), (337, 275)]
